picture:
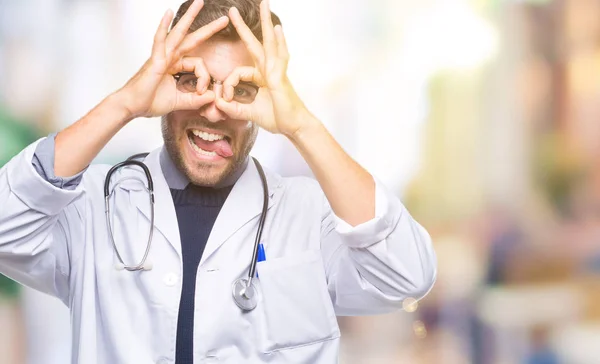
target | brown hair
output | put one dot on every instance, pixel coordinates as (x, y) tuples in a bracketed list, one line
[(214, 9)]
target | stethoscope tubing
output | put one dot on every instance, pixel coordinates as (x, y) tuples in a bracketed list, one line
[(245, 298)]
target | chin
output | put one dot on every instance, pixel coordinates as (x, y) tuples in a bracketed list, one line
[(207, 175)]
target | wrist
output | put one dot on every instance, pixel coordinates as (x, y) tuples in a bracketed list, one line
[(307, 129), (118, 103)]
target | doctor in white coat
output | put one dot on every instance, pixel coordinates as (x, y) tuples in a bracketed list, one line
[(341, 245)]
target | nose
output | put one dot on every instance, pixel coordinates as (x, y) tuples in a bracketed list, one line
[(210, 111)]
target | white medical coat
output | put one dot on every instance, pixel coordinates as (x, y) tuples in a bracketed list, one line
[(317, 266)]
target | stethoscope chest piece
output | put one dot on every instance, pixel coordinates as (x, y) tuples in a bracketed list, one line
[(244, 295)]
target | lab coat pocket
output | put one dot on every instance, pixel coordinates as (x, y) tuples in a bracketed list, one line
[(297, 307)]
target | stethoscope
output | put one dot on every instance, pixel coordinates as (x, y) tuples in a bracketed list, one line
[(243, 289)]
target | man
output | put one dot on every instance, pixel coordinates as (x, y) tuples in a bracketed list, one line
[(342, 246)]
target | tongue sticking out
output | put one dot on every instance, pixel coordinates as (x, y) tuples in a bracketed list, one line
[(221, 147)]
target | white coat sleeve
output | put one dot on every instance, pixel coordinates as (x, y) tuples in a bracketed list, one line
[(38, 221), (373, 267)]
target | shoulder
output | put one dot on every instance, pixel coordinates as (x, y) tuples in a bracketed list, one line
[(94, 177), (294, 187), (302, 184), (96, 170)]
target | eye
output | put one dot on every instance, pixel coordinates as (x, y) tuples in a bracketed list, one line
[(190, 82), (187, 82), (240, 92), (245, 93)]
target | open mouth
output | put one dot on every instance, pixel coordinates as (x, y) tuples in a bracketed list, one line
[(210, 144)]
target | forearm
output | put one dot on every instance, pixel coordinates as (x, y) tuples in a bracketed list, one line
[(78, 144), (349, 188)]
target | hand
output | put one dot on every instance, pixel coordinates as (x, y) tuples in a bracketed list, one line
[(277, 107), (152, 90)]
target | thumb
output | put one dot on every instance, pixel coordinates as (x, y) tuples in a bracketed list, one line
[(193, 101), (236, 110)]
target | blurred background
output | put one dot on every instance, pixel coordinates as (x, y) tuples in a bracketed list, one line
[(482, 115)]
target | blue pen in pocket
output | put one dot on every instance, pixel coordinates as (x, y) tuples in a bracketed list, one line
[(261, 255)]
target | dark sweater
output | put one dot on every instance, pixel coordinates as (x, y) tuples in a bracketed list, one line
[(197, 209)]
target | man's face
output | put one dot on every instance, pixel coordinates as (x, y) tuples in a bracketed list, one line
[(206, 145)]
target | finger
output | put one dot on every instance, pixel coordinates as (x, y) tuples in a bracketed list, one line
[(235, 110), (248, 74), (194, 39), (193, 101), (196, 65), (252, 44), (158, 48), (282, 49), (267, 29), (203, 76), (180, 30)]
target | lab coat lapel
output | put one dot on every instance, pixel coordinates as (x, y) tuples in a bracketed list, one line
[(165, 217), (244, 203)]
